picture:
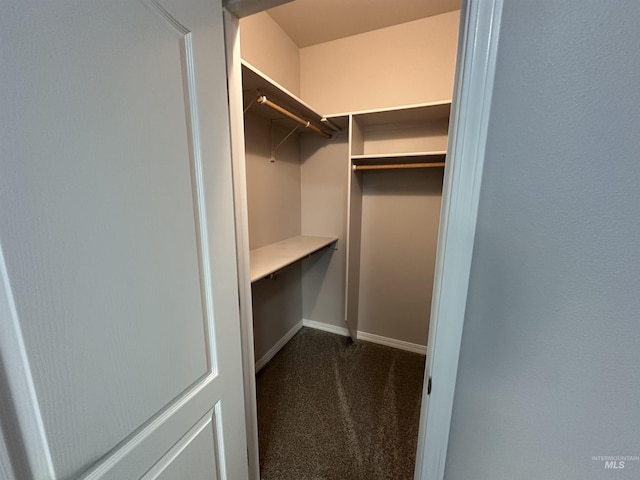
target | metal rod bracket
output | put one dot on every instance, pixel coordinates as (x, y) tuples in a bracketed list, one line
[(272, 157)]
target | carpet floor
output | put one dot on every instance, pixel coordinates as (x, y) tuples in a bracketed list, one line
[(332, 409)]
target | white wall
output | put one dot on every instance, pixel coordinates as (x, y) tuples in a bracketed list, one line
[(548, 373), (268, 48), (410, 63)]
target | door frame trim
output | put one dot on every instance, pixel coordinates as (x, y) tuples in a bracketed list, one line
[(473, 88), (475, 68), (236, 125)]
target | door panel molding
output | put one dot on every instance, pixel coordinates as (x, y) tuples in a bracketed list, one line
[(206, 424), (149, 442), (19, 409), (173, 22), (196, 167), (195, 155)]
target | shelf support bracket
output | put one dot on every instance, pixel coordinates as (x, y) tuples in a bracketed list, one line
[(254, 98), (272, 158)]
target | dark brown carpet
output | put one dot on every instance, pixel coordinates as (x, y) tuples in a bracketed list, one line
[(330, 409)]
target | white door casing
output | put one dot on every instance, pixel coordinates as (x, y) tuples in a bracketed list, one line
[(236, 119), (119, 332), (480, 22), (354, 236)]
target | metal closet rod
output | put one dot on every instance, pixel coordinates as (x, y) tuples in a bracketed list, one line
[(262, 99), (392, 166)]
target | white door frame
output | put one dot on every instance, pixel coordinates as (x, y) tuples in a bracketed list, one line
[(236, 122), (477, 51)]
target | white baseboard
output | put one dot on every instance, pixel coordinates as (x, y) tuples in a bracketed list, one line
[(326, 327), (367, 337), (279, 344), (392, 342)]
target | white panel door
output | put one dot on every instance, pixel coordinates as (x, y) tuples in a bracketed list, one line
[(119, 333)]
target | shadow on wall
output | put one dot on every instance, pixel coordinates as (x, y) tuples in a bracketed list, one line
[(411, 182), (9, 424), (317, 267)]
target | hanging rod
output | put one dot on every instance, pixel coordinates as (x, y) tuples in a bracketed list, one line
[(330, 124), (393, 166), (262, 99)]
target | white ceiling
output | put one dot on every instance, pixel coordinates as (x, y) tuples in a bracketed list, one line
[(309, 22)]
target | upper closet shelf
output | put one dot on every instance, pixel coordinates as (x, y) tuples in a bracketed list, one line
[(272, 258), (418, 113), (256, 84)]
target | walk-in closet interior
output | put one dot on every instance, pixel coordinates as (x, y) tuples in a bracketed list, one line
[(346, 115)]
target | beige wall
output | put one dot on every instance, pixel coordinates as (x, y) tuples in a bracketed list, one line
[(268, 48), (324, 174), (277, 308), (401, 65), (273, 188), (400, 215), (305, 190), (273, 203)]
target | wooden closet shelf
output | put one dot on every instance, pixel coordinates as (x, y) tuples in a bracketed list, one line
[(272, 258), (255, 83), (410, 114)]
